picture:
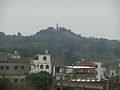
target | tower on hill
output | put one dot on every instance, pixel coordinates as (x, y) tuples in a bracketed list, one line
[(57, 27)]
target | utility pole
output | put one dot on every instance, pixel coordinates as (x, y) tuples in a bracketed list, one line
[(72, 72)]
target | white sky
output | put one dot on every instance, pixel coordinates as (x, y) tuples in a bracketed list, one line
[(98, 18)]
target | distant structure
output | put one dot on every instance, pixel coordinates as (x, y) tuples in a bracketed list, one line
[(85, 69), (14, 67), (57, 27), (41, 63)]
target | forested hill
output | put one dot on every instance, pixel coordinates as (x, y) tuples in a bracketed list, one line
[(65, 46)]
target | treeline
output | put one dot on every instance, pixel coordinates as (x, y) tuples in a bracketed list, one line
[(65, 46), (34, 81)]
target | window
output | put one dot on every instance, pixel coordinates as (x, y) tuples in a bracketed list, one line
[(96, 66), (2, 67), (81, 70), (41, 66), (37, 65), (7, 67), (22, 67), (96, 73), (92, 70), (15, 80), (47, 66), (88, 70), (16, 68), (57, 69), (44, 58)]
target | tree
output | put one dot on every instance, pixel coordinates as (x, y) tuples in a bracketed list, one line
[(5, 84), (40, 81), (2, 34)]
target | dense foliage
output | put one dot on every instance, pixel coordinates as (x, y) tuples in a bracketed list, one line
[(40, 81), (6, 84), (114, 79), (65, 46)]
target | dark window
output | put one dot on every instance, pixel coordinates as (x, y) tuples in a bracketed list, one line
[(22, 67), (30, 68), (58, 88), (57, 69), (7, 67), (15, 80), (16, 67), (37, 65), (96, 66), (47, 66), (96, 73), (44, 58), (2, 67), (41, 66)]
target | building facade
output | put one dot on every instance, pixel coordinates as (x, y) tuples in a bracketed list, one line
[(41, 63), (99, 70), (14, 67), (85, 69)]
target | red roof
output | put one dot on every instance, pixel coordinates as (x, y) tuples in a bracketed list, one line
[(31, 61), (86, 63)]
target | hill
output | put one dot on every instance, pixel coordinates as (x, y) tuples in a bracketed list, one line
[(65, 46)]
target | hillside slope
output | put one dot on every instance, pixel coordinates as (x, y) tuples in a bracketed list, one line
[(65, 46)]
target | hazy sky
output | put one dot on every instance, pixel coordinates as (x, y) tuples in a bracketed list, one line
[(98, 18)]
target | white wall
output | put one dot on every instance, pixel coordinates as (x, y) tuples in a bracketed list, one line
[(100, 70), (37, 63)]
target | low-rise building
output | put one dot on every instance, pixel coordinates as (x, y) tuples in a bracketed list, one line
[(85, 69), (41, 63), (14, 67), (99, 70)]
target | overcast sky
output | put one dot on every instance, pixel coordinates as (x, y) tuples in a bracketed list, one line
[(98, 18)]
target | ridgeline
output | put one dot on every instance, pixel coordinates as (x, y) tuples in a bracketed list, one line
[(65, 46)]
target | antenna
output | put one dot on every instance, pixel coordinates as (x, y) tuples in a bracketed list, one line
[(57, 26)]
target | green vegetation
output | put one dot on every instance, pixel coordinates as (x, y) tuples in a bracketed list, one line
[(114, 79), (35, 81), (6, 84), (65, 46), (40, 81)]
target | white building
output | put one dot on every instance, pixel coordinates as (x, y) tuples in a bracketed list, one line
[(41, 63), (99, 70), (84, 69)]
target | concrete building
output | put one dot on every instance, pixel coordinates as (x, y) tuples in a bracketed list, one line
[(99, 70), (85, 69), (14, 67), (41, 63)]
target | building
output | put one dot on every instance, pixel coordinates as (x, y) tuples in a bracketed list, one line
[(41, 63), (119, 68), (99, 70), (85, 69), (14, 67)]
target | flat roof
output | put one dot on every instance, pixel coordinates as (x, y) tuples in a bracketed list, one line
[(78, 67)]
